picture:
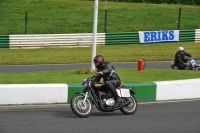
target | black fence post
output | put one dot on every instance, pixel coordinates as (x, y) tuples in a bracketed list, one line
[(105, 21), (179, 18), (26, 19)]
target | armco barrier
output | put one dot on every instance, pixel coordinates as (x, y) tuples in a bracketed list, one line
[(62, 93), (197, 35), (55, 40), (4, 41), (118, 38), (187, 36), (83, 39)]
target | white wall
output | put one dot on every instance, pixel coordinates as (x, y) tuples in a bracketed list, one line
[(178, 89), (33, 93)]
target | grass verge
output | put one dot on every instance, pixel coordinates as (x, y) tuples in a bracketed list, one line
[(122, 53), (128, 75)]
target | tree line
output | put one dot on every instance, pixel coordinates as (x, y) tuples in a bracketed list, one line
[(187, 2)]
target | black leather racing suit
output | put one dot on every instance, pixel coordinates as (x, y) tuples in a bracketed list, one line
[(110, 78), (180, 59)]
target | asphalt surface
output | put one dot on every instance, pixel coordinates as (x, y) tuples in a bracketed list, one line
[(170, 117), (51, 67)]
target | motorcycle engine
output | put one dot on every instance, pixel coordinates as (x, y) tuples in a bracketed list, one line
[(106, 99), (109, 102)]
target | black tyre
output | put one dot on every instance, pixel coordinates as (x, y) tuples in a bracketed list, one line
[(197, 68), (130, 108), (79, 107)]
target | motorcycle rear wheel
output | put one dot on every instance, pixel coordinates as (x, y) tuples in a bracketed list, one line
[(79, 107), (130, 108)]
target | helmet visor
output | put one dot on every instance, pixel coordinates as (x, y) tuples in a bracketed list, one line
[(182, 51), (96, 64)]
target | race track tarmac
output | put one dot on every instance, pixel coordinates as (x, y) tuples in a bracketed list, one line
[(51, 67)]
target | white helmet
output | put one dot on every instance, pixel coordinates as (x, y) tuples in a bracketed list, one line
[(181, 50)]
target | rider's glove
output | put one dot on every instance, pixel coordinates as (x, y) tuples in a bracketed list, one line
[(185, 64), (98, 73)]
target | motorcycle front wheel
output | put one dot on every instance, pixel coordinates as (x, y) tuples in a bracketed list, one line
[(130, 108), (79, 107)]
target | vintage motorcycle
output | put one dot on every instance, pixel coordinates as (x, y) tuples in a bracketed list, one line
[(82, 102), (191, 65)]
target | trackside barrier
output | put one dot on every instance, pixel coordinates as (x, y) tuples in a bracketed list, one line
[(187, 36), (33, 93), (55, 40), (154, 91), (180, 89), (62, 93), (4, 41), (83, 39), (197, 35)]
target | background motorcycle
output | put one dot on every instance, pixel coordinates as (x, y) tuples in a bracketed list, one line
[(82, 102), (191, 65)]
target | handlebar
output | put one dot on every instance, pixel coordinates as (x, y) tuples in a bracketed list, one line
[(88, 79), (193, 57)]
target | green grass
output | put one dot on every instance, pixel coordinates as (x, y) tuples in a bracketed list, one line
[(76, 16), (128, 75), (122, 53)]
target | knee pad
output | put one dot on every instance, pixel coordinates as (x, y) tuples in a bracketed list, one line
[(108, 84)]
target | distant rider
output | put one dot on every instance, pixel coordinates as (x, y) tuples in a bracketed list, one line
[(110, 77), (180, 60)]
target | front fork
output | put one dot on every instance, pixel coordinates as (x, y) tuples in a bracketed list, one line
[(86, 95), (82, 103)]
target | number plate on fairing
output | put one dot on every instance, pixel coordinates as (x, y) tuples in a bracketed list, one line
[(123, 92), (193, 62), (84, 83)]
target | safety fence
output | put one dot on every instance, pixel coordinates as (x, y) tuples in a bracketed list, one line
[(83, 39), (187, 36), (52, 40), (197, 35), (4, 41)]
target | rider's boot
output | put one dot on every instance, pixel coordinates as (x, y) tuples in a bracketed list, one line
[(172, 66), (112, 89), (117, 101)]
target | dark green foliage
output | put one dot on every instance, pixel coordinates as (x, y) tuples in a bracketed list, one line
[(84, 71), (188, 2)]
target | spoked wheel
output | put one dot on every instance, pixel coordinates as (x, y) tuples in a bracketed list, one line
[(79, 107), (130, 108), (197, 68)]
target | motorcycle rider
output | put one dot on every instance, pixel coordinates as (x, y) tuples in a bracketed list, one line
[(110, 77), (180, 60)]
